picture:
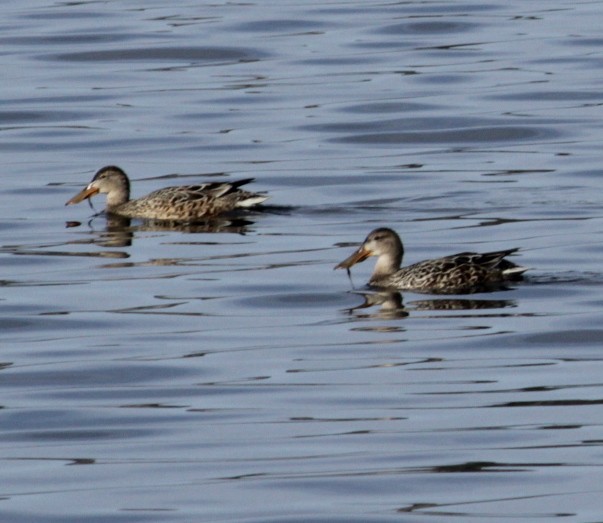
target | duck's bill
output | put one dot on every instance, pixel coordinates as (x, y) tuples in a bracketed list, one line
[(82, 195), (360, 255)]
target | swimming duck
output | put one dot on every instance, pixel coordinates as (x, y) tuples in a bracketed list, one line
[(186, 203), (460, 273)]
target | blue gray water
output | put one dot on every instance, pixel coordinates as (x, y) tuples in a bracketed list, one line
[(228, 373)]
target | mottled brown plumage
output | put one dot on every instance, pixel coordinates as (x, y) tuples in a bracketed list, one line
[(460, 273), (186, 203)]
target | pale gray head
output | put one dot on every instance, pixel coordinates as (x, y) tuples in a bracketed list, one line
[(383, 243), (110, 180)]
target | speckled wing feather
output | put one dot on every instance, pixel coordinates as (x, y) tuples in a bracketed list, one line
[(191, 202), (462, 272)]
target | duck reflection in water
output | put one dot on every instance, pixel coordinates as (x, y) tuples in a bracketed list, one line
[(391, 304), (119, 231)]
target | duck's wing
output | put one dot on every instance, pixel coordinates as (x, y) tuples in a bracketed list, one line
[(458, 272), (191, 202), (202, 191), (494, 261)]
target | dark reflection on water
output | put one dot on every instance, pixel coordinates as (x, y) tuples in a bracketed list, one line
[(120, 231), (292, 302), (72, 435), (425, 28), (280, 26), (551, 403), (548, 96), (41, 320), (386, 108), (588, 336), (71, 39), (39, 117), (390, 304), (94, 376), (433, 125), (459, 304), (186, 54), (475, 135), (452, 130), (488, 466)]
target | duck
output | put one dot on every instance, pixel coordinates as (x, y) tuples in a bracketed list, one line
[(462, 273), (186, 203)]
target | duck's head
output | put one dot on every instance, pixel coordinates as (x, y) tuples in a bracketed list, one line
[(110, 180), (382, 242)]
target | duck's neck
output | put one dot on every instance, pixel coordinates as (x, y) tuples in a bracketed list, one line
[(386, 265), (117, 197)]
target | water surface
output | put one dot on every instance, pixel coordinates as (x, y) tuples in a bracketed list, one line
[(225, 372)]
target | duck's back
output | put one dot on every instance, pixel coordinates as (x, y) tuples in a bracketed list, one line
[(458, 273), (190, 202)]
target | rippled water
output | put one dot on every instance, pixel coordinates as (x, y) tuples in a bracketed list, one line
[(225, 372)]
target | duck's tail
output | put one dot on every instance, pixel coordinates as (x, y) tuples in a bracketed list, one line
[(251, 200)]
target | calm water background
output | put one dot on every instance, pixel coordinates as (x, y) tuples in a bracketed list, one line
[(230, 375)]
